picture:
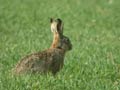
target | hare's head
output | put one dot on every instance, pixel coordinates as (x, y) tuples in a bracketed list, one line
[(56, 26), (59, 41), (65, 43)]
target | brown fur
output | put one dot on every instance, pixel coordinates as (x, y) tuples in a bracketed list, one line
[(50, 60), (56, 40)]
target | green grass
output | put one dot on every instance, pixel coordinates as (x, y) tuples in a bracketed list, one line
[(93, 27)]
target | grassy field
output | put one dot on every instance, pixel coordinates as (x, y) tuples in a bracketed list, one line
[(93, 27)]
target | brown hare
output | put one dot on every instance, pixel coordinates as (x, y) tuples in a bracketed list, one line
[(50, 60)]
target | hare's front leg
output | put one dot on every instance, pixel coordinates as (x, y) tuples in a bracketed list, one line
[(56, 66)]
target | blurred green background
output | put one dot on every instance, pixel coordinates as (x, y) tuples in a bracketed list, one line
[(93, 27)]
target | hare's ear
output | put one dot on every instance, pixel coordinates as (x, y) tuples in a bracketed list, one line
[(51, 20), (60, 26)]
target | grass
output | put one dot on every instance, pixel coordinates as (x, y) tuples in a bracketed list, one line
[(93, 27)]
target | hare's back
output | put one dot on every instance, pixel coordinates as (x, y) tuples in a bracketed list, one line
[(33, 61), (39, 62)]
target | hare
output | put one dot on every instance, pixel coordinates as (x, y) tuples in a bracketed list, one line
[(50, 60)]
